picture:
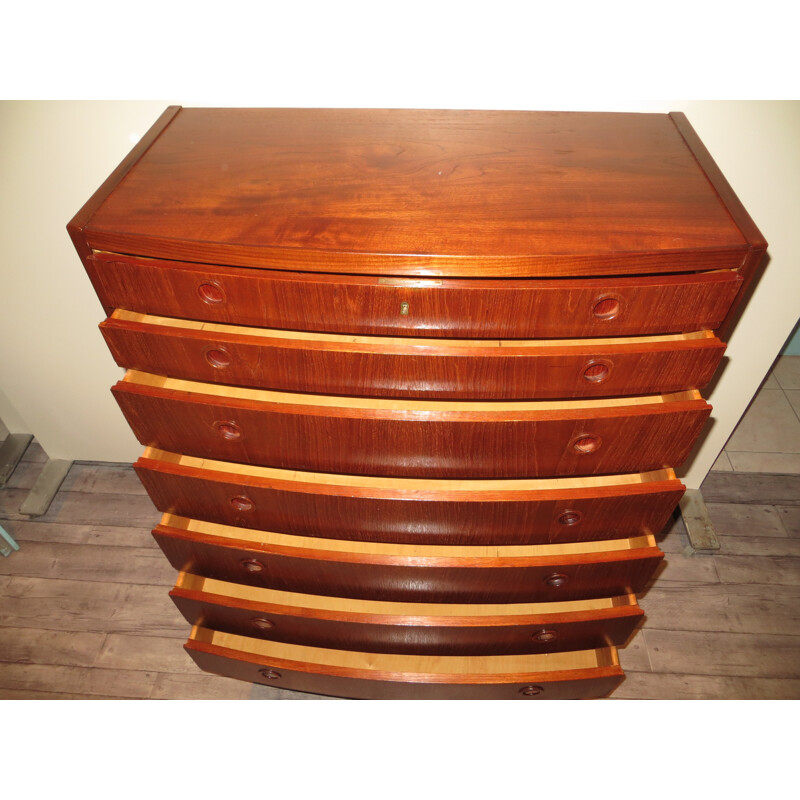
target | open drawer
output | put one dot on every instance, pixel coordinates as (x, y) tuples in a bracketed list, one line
[(410, 510), (376, 366), (570, 675), (413, 628), (412, 438), (413, 573)]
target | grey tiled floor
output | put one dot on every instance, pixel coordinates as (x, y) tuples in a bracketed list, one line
[(768, 437)]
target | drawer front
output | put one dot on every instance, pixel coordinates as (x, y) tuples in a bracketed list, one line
[(400, 511), (419, 368), (414, 575), (412, 438), (483, 308), (584, 674), (410, 628)]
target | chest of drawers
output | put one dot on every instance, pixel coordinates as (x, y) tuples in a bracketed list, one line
[(412, 384)]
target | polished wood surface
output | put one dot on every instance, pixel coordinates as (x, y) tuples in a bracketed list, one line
[(436, 307), (405, 628), (415, 358), (577, 674), (375, 437), (420, 368), (410, 511), (408, 192), (423, 573), (755, 261)]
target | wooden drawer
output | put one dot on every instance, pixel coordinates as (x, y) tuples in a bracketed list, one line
[(411, 628), (573, 675), (482, 308), (411, 511), (411, 438), (388, 367), (413, 573)]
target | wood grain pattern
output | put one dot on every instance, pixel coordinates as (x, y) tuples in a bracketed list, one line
[(432, 512), (402, 191), (450, 307), (371, 676), (421, 628), (425, 368), (308, 566), (436, 444)]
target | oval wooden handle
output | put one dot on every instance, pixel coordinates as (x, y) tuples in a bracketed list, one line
[(218, 357), (544, 636), (570, 518), (228, 430), (211, 293), (242, 503), (607, 307), (556, 580), (262, 623), (586, 444)]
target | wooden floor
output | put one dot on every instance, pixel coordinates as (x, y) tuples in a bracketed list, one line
[(84, 611)]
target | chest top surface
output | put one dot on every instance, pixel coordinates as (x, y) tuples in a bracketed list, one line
[(420, 192)]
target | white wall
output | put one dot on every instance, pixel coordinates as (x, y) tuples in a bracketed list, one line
[(55, 371)]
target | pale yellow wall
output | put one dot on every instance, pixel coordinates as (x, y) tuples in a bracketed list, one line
[(55, 371)]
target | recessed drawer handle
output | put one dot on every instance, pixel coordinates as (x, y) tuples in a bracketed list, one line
[(556, 580), (211, 293), (597, 370), (242, 503), (531, 691), (262, 623), (252, 565), (218, 357), (269, 674), (607, 307), (586, 443), (544, 637), (228, 430), (570, 518)]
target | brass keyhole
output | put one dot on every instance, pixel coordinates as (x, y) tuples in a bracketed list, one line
[(404, 309)]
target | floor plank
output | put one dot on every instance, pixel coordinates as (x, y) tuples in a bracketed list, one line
[(171, 686), (78, 605), (103, 535), (743, 519), (84, 508), (774, 571), (723, 607), (36, 646), (77, 680), (712, 653), (149, 653), (76, 562), (733, 487), (676, 686)]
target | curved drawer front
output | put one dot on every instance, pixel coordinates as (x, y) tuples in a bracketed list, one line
[(482, 308), (412, 438), (414, 573), (413, 628), (380, 367), (578, 674), (410, 511)]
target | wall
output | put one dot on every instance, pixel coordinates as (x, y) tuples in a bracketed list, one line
[(55, 371)]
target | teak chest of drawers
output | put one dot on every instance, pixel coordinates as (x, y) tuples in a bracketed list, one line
[(413, 384)]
